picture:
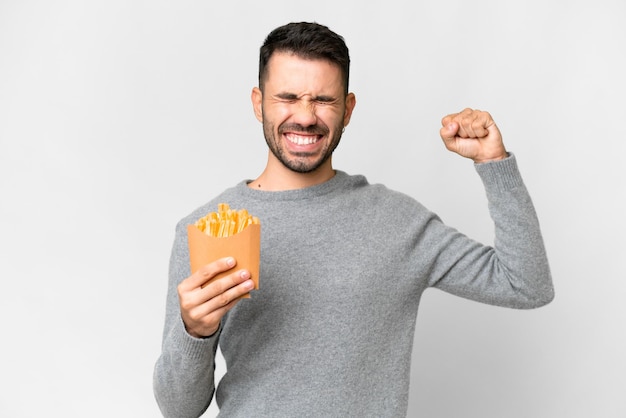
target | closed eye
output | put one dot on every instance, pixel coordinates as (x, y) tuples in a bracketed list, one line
[(325, 100), (287, 97), (291, 98)]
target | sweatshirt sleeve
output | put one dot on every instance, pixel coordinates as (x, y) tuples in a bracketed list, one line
[(183, 379), (514, 272)]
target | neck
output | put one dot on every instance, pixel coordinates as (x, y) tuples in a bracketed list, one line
[(277, 177)]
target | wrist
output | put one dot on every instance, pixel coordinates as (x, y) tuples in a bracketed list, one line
[(491, 159), (206, 333)]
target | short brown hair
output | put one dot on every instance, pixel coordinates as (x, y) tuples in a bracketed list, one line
[(308, 41)]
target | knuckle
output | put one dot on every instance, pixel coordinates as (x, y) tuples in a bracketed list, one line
[(212, 269), (195, 316), (206, 272), (222, 299), (185, 304)]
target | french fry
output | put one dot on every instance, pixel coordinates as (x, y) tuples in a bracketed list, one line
[(225, 222)]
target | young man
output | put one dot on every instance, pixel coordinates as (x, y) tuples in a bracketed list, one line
[(343, 262)]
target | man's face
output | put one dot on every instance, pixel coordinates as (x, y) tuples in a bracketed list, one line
[(304, 109)]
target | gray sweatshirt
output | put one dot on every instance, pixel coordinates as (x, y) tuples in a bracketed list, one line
[(343, 266)]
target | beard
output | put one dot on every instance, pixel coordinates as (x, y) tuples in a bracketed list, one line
[(301, 162)]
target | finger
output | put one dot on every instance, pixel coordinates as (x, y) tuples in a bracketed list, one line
[(492, 129), (446, 120), (460, 121), (211, 310), (202, 315), (223, 284), (214, 308), (207, 272), (482, 121), (470, 127), (464, 130), (449, 130), (241, 285), (472, 123), (191, 299)]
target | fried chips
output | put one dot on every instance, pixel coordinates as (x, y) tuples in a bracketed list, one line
[(225, 222)]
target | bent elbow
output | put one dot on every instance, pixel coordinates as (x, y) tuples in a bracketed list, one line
[(546, 298), (541, 296)]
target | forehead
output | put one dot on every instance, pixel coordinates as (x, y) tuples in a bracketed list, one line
[(289, 72)]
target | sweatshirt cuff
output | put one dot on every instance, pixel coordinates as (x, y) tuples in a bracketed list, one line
[(192, 347), (501, 175)]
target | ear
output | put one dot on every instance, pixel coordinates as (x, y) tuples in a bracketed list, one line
[(350, 103), (257, 103)]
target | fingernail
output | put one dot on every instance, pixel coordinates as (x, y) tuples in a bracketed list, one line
[(230, 261), (249, 285), (244, 274)]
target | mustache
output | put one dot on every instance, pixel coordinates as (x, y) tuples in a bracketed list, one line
[(316, 129)]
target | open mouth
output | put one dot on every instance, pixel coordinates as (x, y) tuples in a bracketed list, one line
[(302, 139)]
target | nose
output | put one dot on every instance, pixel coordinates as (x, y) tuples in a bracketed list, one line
[(304, 113)]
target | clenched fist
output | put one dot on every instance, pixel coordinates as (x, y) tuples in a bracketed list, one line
[(473, 134)]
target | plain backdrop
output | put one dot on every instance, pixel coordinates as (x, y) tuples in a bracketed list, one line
[(119, 117)]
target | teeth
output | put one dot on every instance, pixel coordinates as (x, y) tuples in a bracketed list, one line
[(302, 140)]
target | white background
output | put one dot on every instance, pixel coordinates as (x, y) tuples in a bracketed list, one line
[(117, 118)]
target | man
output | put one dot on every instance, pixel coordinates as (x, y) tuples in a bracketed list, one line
[(343, 262)]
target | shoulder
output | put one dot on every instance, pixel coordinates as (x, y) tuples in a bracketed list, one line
[(378, 198)]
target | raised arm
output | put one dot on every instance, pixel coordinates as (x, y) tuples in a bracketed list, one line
[(514, 272)]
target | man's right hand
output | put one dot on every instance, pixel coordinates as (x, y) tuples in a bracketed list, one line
[(202, 308)]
